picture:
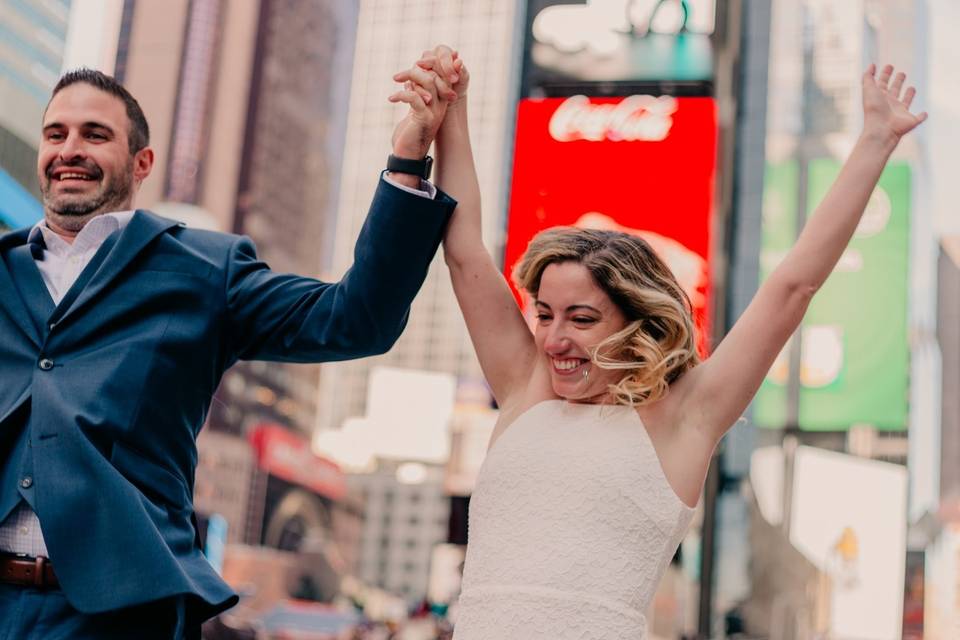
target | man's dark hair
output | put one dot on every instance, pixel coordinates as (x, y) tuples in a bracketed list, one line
[(139, 136)]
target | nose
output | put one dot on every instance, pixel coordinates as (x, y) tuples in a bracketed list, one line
[(557, 340), (72, 148)]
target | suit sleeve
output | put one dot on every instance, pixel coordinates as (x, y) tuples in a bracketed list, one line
[(291, 318)]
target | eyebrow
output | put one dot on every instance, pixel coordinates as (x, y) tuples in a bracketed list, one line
[(86, 125), (571, 308)]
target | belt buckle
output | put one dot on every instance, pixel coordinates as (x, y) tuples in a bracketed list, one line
[(39, 572)]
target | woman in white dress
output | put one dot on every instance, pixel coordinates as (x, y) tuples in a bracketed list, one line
[(608, 419)]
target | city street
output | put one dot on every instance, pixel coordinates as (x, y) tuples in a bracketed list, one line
[(310, 451)]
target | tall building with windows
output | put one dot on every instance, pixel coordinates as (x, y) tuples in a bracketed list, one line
[(405, 516), (391, 34), (186, 62), (247, 103), (32, 39), (93, 35)]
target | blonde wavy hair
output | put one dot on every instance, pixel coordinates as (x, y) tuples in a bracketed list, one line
[(659, 343)]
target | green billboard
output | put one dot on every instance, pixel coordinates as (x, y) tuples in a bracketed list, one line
[(855, 358)]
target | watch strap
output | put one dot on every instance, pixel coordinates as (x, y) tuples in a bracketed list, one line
[(413, 167)]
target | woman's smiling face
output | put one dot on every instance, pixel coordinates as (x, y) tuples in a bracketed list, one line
[(574, 315)]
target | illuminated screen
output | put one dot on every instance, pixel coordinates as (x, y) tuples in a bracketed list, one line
[(853, 369), (641, 164)]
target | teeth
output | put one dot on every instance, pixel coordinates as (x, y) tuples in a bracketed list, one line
[(73, 176), (566, 365)]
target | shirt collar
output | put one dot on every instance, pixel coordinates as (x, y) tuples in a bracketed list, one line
[(90, 237)]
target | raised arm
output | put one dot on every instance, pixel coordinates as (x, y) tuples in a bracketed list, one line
[(502, 340), (715, 394), (272, 316)]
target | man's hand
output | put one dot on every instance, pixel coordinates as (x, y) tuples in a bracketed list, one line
[(422, 91)]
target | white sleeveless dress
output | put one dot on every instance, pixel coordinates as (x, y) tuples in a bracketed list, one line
[(572, 525)]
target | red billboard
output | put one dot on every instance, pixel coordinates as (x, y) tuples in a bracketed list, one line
[(641, 164), (286, 455)]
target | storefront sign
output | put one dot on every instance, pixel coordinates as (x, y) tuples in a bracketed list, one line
[(284, 454)]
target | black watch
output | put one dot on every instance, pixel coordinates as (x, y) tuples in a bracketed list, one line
[(413, 167)]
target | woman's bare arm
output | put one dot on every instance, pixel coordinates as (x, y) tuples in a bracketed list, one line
[(715, 394), (503, 342)]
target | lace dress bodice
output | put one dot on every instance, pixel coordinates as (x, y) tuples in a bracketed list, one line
[(572, 525)]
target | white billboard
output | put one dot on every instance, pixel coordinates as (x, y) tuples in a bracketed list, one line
[(408, 418), (849, 518)]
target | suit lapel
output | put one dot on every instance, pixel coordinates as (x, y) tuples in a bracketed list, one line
[(111, 259), (22, 301), (36, 296)]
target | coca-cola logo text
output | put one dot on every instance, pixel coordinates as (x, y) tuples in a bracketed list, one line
[(646, 118)]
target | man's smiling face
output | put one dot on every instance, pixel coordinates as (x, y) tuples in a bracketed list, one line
[(84, 164)]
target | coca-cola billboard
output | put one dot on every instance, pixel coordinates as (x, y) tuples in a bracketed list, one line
[(634, 118), (641, 164)]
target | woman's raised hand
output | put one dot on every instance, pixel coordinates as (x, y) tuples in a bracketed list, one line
[(448, 65), (886, 106)]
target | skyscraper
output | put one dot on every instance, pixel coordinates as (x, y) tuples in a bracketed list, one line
[(405, 517), (290, 167), (247, 106), (32, 38), (391, 34)]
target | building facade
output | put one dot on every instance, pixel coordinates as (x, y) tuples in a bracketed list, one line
[(391, 35), (32, 40), (406, 513), (247, 104)]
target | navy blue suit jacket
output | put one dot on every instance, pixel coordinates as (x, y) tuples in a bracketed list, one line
[(132, 361)]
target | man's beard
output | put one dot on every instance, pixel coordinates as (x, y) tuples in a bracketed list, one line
[(71, 214)]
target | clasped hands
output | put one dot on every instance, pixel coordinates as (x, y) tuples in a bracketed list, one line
[(436, 82)]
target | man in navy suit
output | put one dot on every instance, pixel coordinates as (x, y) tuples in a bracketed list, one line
[(116, 326)]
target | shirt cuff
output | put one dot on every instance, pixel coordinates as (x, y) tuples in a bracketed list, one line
[(426, 190)]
